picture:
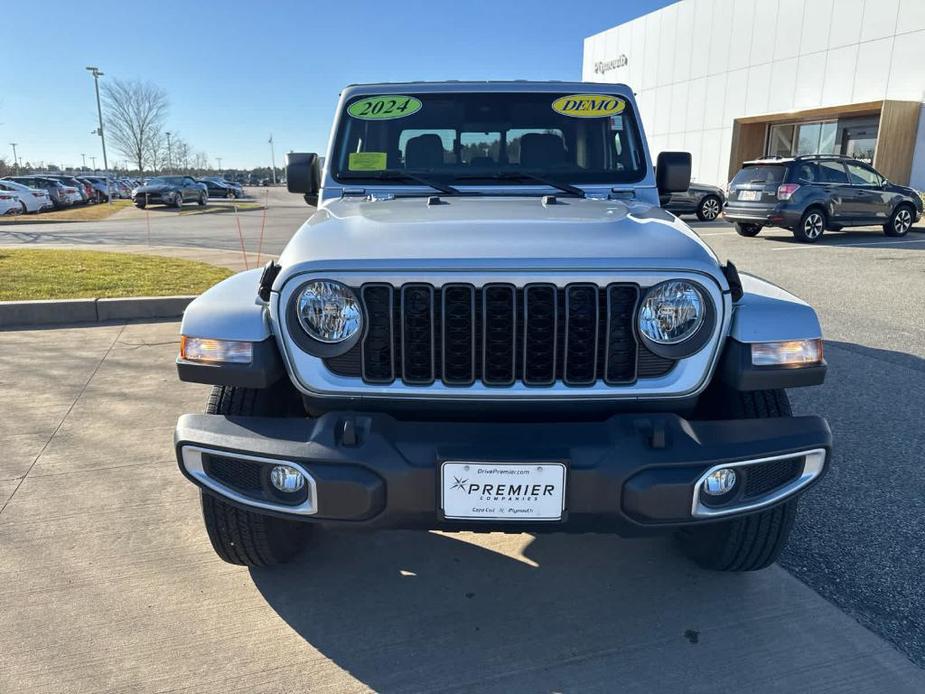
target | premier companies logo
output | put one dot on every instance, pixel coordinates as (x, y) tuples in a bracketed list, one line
[(602, 67)]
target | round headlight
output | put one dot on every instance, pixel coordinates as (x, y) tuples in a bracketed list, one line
[(329, 311), (671, 312)]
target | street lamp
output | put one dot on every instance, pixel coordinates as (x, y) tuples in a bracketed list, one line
[(15, 160), (169, 154), (96, 73), (273, 159), (219, 164), (84, 159)]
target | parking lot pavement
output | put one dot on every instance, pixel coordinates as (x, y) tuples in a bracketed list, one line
[(108, 582), (860, 536), (163, 226)]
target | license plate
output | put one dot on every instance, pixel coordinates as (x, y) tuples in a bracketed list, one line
[(502, 491), (749, 195)]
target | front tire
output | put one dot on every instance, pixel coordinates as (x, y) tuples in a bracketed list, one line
[(811, 227), (241, 536), (202, 200), (748, 230), (752, 542), (178, 203), (709, 208), (900, 221)]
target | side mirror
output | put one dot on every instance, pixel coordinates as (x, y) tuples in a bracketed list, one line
[(673, 172), (303, 174)]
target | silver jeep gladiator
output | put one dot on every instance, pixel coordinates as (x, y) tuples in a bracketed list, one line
[(490, 324)]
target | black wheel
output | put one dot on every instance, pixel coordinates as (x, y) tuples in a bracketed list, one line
[(709, 208), (900, 221), (178, 201), (229, 195), (755, 541), (240, 536), (747, 229), (811, 227), (25, 210), (203, 199), (140, 204)]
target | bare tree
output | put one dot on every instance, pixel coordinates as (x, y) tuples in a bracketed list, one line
[(135, 113)]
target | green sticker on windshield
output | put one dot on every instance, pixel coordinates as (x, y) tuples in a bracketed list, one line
[(384, 107), (366, 161)]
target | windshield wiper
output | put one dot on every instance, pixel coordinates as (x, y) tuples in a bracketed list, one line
[(520, 176), (403, 176)]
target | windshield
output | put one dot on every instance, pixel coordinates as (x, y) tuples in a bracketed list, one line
[(488, 138), (166, 181)]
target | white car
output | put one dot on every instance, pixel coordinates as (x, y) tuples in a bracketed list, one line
[(9, 204), (30, 199)]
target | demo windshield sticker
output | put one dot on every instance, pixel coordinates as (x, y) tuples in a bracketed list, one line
[(588, 105), (366, 161), (384, 107)]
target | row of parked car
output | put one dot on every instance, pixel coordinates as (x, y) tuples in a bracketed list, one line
[(33, 193), (39, 192), (173, 191)]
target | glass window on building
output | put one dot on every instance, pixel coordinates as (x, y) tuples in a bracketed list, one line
[(796, 139), (780, 140)]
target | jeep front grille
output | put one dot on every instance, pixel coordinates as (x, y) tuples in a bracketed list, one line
[(498, 334)]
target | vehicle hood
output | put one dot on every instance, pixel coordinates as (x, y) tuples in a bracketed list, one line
[(497, 233), (156, 188)]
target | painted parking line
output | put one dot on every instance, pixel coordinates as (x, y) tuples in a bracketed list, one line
[(717, 233), (805, 246)]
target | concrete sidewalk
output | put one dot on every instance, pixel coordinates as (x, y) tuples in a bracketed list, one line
[(108, 582)]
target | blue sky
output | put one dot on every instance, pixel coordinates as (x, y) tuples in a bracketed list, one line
[(237, 71)]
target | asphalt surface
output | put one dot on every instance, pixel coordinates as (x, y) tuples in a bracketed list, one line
[(164, 226), (860, 535), (859, 539), (108, 581)]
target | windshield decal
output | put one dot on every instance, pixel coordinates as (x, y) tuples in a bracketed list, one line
[(384, 107), (588, 105), (366, 161)]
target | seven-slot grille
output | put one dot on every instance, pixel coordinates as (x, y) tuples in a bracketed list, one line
[(498, 334)]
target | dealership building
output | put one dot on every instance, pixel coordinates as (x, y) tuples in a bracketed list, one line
[(733, 80)]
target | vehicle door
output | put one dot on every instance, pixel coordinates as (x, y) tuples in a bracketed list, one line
[(839, 193), (189, 189), (871, 203)]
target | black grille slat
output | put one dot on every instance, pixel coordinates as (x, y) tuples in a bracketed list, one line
[(581, 333), (458, 334), (497, 334), (377, 361), (620, 342), (540, 334), (499, 326), (417, 333)]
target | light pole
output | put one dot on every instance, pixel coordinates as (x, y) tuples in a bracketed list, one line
[(93, 162), (95, 71), (84, 159), (169, 153), (219, 164), (15, 160), (273, 159)]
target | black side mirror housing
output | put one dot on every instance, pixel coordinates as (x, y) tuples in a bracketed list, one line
[(673, 172), (303, 174)]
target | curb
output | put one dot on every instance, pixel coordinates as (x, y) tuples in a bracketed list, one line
[(19, 314)]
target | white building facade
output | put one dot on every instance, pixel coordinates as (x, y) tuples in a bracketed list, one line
[(732, 80)]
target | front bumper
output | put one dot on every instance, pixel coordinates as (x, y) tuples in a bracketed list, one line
[(630, 474)]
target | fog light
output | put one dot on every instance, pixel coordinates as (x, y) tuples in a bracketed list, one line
[(720, 482), (286, 478)]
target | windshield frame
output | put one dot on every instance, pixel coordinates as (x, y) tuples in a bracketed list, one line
[(469, 181)]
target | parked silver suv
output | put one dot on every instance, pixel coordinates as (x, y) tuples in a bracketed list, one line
[(490, 324)]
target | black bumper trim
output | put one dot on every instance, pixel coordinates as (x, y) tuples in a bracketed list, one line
[(662, 450)]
